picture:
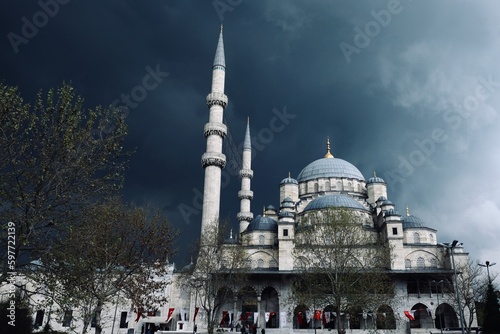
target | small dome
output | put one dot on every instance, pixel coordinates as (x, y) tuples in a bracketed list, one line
[(287, 203), (288, 180), (382, 198), (386, 202), (391, 212), (283, 214), (329, 167), (412, 222), (334, 201), (261, 223), (270, 207)]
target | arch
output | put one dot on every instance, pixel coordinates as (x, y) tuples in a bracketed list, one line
[(316, 187), (270, 306), (247, 296), (339, 185), (273, 263), (300, 317), (422, 317), (355, 318), (408, 264), (420, 263), (434, 262), (260, 263), (386, 318), (446, 317), (327, 186), (416, 238)]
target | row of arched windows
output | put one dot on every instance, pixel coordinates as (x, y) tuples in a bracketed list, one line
[(421, 263)]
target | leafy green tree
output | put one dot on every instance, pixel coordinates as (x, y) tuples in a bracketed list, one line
[(343, 263), (113, 249), (491, 323), (56, 158)]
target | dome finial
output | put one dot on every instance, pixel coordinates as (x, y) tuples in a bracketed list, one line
[(263, 211), (221, 27), (374, 174), (328, 154), (407, 211), (289, 175)]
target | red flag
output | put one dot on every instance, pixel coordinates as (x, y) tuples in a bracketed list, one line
[(170, 311), (299, 318), (409, 314), (224, 316), (317, 315), (139, 313), (196, 309)]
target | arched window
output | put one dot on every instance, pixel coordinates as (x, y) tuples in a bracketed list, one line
[(262, 239), (434, 263), (273, 264), (408, 263), (339, 185), (260, 263), (327, 186), (416, 238), (420, 263), (316, 187)]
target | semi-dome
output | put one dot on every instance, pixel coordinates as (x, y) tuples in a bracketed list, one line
[(334, 201), (412, 222), (263, 223), (329, 167)]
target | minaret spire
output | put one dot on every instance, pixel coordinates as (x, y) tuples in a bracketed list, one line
[(215, 131), (246, 173)]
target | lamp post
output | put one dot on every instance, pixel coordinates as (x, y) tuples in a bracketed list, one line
[(437, 294), (487, 265), (451, 247)]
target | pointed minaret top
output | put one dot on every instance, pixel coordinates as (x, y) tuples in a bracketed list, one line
[(219, 53), (374, 174), (407, 212), (328, 154), (289, 175), (247, 144)]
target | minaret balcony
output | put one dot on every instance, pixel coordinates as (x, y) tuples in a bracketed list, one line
[(248, 173), (245, 194), (213, 159), (217, 98), (212, 128), (244, 216)]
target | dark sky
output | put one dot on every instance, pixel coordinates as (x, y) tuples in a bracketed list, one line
[(408, 89)]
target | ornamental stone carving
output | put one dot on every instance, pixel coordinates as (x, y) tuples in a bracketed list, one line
[(212, 128), (244, 216), (213, 159), (216, 98), (246, 173), (245, 194)]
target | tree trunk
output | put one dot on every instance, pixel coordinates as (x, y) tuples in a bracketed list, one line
[(98, 309)]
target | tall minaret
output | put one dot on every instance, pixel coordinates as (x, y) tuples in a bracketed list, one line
[(213, 160), (246, 173)]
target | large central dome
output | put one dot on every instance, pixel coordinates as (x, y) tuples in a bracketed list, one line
[(330, 167)]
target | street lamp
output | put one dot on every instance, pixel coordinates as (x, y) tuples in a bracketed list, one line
[(487, 265), (451, 247), (437, 293)]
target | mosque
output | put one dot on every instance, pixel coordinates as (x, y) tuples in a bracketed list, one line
[(421, 268), (419, 263)]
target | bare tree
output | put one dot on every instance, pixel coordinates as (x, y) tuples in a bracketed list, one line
[(343, 264), (114, 248), (220, 267), (56, 157)]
